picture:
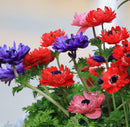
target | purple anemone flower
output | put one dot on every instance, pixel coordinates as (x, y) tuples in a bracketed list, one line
[(7, 75), (100, 59), (12, 55), (64, 44)]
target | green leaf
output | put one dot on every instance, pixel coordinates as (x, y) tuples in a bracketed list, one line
[(17, 89)]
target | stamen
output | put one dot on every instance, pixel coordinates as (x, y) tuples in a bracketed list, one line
[(56, 72), (85, 101), (113, 79)]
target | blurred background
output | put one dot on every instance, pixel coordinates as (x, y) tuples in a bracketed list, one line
[(24, 21)]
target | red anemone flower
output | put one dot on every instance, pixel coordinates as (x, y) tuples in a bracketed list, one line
[(122, 54), (57, 78), (115, 35), (49, 38), (114, 79), (87, 105), (99, 16), (92, 63), (39, 56)]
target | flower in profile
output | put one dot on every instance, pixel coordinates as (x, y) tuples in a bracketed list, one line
[(99, 16), (115, 35), (64, 44), (80, 20), (49, 38), (87, 105), (57, 78), (101, 59), (7, 75), (12, 55), (122, 54), (114, 79), (92, 63), (39, 56)]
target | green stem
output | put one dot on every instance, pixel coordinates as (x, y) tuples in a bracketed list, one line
[(46, 90), (94, 32), (15, 71), (47, 97), (120, 106), (64, 95), (80, 76), (103, 32), (108, 103), (126, 119), (114, 103), (57, 59)]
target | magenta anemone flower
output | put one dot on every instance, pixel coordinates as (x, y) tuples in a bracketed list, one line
[(80, 20), (87, 105)]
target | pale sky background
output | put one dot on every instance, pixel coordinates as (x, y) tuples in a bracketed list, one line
[(24, 21)]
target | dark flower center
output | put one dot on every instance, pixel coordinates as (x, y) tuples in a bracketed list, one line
[(56, 72), (85, 101), (68, 40), (111, 32), (113, 79), (128, 55), (51, 35)]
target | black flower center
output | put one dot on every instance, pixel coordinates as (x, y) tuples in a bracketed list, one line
[(56, 72), (113, 79), (68, 40), (128, 55), (111, 32), (85, 101), (51, 35)]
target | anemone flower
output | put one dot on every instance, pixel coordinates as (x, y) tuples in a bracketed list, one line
[(92, 63), (7, 75), (122, 54), (64, 44), (115, 35), (87, 105), (99, 16), (39, 56), (114, 79), (80, 20), (12, 55), (100, 59), (57, 78), (49, 38)]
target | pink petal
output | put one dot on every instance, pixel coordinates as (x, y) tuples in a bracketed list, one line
[(82, 29), (94, 115), (100, 99)]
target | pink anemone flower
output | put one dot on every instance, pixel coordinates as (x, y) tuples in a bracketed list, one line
[(80, 20), (87, 105)]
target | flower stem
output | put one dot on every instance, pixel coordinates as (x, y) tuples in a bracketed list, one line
[(80, 76), (58, 62), (114, 103), (108, 103), (103, 32), (47, 97), (94, 32), (126, 119), (15, 71)]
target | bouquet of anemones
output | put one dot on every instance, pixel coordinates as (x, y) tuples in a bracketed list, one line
[(101, 98)]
